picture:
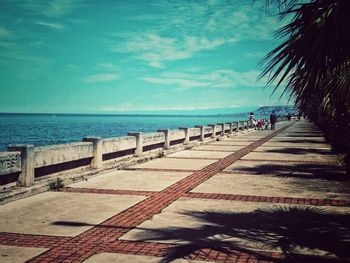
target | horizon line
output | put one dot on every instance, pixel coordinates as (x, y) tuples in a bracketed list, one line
[(154, 112), (118, 114)]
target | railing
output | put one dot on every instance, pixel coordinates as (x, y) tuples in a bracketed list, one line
[(23, 163)]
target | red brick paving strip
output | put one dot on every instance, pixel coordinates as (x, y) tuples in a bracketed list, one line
[(104, 236), (29, 240), (270, 199), (232, 197)]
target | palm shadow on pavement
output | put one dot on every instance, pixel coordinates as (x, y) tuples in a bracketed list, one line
[(302, 234), (297, 170)]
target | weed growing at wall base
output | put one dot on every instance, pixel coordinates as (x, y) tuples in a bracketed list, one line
[(56, 185)]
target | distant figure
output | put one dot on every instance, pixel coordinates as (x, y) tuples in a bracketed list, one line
[(251, 118), (273, 119), (289, 116)]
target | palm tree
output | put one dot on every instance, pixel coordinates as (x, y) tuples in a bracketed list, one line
[(313, 63)]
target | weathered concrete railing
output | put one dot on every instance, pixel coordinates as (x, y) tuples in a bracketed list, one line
[(23, 163)]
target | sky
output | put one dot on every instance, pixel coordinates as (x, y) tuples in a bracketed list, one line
[(134, 56)]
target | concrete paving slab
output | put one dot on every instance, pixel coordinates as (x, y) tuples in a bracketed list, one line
[(240, 143), (260, 133), (299, 144), (247, 135), (290, 169), (211, 147), (60, 213), (200, 154), (257, 166), (169, 163), (288, 157), (114, 257), (295, 150), (12, 254), (305, 135), (298, 139), (241, 139), (295, 129), (275, 186), (299, 133), (133, 180), (303, 127), (248, 225)]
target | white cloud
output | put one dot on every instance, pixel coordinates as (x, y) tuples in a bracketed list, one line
[(240, 20), (50, 25), (179, 82), (101, 77), (108, 67), (179, 30), (216, 79), (130, 107), (155, 49)]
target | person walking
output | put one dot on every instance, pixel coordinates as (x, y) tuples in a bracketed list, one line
[(273, 119)]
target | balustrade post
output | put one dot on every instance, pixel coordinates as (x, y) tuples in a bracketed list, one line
[(167, 138), (96, 162), (237, 125), (202, 132), (231, 127), (26, 177), (187, 134), (139, 142), (241, 124), (222, 128), (213, 135)]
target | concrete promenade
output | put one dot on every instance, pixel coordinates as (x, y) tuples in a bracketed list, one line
[(256, 196)]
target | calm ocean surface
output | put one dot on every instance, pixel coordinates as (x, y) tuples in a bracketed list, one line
[(46, 129)]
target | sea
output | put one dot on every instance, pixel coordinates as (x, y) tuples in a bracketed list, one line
[(49, 129)]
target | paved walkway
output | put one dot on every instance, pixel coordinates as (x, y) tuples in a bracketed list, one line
[(261, 196)]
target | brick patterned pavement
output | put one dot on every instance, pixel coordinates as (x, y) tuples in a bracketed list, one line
[(104, 237)]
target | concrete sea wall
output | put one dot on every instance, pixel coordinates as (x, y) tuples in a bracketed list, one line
[(23, 164)]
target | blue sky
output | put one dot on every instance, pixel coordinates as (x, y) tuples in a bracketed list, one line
[(73, 56)]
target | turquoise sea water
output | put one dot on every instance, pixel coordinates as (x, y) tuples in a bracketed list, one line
[(47, 129)]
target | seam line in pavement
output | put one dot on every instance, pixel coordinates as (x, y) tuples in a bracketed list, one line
[(159, 170), (109, 191), (207, 150)]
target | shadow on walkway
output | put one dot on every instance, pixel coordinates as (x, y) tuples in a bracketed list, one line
[(302, 234), (307, 171), (303, 141), (301, 134), (300, 151)]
